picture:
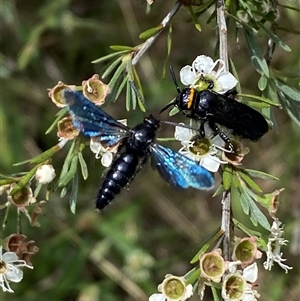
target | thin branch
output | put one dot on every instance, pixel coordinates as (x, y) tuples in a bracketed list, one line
[(225, 226), (226, 201), (146, 45), (222, 32)]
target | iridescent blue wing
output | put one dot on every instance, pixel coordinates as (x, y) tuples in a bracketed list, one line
[(179, 170), (93, 121)]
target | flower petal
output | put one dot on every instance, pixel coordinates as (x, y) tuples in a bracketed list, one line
[(250, 273), (227, 81), (15, 275), (203, 64), (107, 159), (96, 147), (188, 291), (187, 75), (9, 257), (210, 163), (157, 297), (183, 134)]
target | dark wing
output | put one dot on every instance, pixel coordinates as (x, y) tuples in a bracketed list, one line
[(240, 118), (179, 170), (93, 121)]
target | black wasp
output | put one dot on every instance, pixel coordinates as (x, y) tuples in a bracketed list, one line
[(214, 108), (137, 144)]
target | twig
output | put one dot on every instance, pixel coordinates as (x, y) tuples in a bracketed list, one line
[(225, 225), (144, 47), (226, 201), (222, 32)]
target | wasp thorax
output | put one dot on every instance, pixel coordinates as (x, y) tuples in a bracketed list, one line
[(199, 146)]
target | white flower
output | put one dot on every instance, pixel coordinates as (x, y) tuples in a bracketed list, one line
[(173, 288), (45, 174), (274, 245), (202, 150), (250, 273), (106, 153), (10, 269), (237, 285), (250, 294), (207, 74)]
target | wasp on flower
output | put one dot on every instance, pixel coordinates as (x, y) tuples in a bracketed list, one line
[(207, 74), (205, 151)]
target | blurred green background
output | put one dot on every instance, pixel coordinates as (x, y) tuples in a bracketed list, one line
[(152, 229)]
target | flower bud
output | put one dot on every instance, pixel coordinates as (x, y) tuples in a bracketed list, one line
[(45, 174)]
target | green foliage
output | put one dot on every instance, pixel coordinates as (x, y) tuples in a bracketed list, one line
[(86, 255)]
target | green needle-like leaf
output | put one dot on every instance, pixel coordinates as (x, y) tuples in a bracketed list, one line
[(63, 181), (109, 56), (74, 192), (257, 58), (260, 174), (84, 169), (150, 32), (112, 66), (121, 48), (275, 38), (208, 242), (249, 181)]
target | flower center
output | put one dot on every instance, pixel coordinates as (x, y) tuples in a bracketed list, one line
[(2, 267), (205, 82), (199, 146), (174, 288), (235, 287)]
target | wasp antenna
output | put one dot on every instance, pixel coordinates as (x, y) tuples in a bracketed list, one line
[(180, 125), (138, 94), (174, 79)]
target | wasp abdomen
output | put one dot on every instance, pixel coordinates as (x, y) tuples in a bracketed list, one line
[(121, 172)]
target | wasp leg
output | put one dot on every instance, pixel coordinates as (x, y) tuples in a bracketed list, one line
[(201, 129), (223, 136)]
